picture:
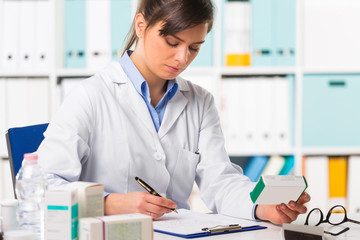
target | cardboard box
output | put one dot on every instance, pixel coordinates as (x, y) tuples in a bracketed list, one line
[(61, 214), (277, 189), (90, 198), (124, 226)]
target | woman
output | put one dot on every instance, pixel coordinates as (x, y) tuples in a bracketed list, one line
[(139, 118)]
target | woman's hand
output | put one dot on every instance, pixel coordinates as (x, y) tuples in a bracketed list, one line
[(137, 202), (283, 213)]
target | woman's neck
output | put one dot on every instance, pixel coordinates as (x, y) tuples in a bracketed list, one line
[(157, 86)]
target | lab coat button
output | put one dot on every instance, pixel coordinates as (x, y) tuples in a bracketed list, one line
[(158, 156)]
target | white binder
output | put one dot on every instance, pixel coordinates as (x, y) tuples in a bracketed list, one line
[(28, 101), (17, 102), (38, 95), (251, 113), (317, 177), (330, 36), (3, 124), (6, 184), (231, 114), (42, 34), (27, 34), (266, 108), (10, 43), (237, 25), (353, 193), (274, 165), (242, 116), (98, 34), (282, 123)]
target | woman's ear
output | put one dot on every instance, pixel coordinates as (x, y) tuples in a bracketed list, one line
[(140, 25)]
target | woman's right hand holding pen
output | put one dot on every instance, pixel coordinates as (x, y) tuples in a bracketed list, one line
[(138, 202)]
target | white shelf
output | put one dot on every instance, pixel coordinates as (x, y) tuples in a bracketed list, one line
[(335, 70), (283, 152), (258, 70), (68, 73), (24, 74), (199, 71), (331, 151)]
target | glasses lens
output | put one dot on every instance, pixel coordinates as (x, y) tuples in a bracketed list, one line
[(315, 217), (337, 215)]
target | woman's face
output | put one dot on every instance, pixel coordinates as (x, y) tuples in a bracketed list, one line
[(166, 57)]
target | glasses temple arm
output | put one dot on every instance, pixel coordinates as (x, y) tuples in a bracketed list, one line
[(336, 234), (353, 221)]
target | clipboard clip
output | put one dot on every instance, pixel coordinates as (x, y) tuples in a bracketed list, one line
[(222, 228)]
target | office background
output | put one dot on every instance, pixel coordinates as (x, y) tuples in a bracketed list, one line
[(285, 75)]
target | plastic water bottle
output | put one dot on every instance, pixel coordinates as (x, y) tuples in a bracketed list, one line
[(30, 191)]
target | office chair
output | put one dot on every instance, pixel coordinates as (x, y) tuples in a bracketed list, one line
[(21, 140)]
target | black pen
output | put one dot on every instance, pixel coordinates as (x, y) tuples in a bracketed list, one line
[(150, 189)]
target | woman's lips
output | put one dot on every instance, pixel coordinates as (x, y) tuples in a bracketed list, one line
[(173, 69)]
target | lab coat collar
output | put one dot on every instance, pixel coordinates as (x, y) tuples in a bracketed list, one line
[(117, 75), (115, 72)]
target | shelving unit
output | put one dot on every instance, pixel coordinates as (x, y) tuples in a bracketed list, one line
[(215, 73)]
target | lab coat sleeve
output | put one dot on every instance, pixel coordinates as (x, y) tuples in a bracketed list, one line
[(222, 184), (66, 143)]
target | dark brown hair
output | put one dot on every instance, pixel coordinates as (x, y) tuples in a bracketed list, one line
[(177, 16)]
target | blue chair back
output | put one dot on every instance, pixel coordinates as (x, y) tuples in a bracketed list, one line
[(21, 140)]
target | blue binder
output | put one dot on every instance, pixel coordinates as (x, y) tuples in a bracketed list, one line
[(288, 165), (120, 25), (263, 46), (75, 33), (255, 167), (285, 32)]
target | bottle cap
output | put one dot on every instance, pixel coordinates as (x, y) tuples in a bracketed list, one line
[(19, 235), (30, 156), (30, 159)]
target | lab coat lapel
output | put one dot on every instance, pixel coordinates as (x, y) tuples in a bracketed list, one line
[(173, 110), (132, 98), (137, 104)]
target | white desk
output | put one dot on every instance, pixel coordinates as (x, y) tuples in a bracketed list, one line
[(274, 232)]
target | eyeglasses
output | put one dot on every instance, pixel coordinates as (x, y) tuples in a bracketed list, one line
[(316, 217)]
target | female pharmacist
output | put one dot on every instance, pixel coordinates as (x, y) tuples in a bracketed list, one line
[(137, 117)]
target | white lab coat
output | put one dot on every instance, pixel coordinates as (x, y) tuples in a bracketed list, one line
[(104, 133)]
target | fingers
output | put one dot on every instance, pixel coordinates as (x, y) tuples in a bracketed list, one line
[(286, 214), (290, 212), (160, 201), (158, 206), (297, 207), (284, 218), (305, 197)]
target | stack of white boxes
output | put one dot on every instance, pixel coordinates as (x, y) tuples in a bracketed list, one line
[(84, 202)]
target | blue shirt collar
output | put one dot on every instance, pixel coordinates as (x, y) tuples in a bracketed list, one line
[(139, 81)]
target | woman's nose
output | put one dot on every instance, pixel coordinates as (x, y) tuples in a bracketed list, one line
[(182, 55)]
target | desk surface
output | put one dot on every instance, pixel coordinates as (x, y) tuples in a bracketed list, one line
[(274, 232)]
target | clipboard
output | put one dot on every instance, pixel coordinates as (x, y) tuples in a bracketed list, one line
[(188, 224)]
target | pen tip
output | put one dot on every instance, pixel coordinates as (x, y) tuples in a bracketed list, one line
[(175, 211), (136, 178)]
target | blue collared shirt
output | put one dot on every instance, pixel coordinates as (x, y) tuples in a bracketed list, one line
[(141, 86)]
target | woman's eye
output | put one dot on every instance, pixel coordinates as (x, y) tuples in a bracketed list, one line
[(171, 44), (194, 49)]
